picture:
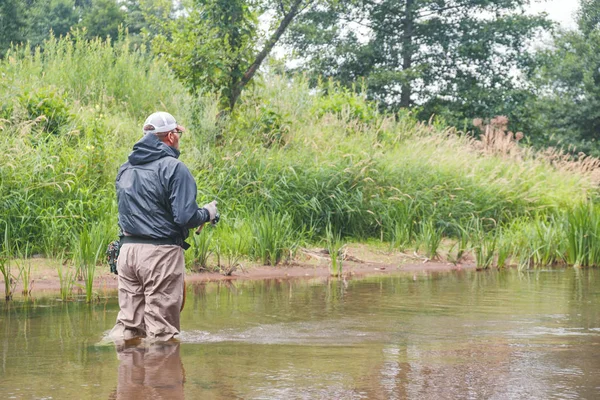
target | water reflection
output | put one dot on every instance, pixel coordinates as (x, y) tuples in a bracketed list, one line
[(149, 371), (492, 335)]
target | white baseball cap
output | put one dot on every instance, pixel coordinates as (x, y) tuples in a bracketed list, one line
[(161, 122)]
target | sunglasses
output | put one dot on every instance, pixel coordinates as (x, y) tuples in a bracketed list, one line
[(179, 132)]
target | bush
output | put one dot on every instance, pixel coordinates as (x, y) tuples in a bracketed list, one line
[(49, 107)]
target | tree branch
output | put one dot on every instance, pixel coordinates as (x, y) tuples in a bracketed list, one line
[(251, 71)]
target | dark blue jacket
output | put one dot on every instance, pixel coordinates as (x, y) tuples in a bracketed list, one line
[(156, 193)]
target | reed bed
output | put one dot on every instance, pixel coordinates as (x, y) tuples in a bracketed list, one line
[(291, 162)]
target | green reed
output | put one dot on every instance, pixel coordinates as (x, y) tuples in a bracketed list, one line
[(461, 245), (90, 244), (335, 247), (484, 244), (582, 227), (66, 278), (6, 277), (5, 267), (273, 237), (230, 244), (197, 256), (24, 265), (430, 238)]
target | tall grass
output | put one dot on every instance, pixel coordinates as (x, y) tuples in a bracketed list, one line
[(274, 237), (430, 238), (197, 256), (5, 266), (582, 227), (292, 160), (66, 278), (335, 247), (231, 243), (484, 244), (90, 244), (6, 277), (24, 265)]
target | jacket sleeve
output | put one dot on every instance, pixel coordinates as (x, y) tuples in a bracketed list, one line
[(182, 196)]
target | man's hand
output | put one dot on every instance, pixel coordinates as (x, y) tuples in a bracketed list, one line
[(212, 209)]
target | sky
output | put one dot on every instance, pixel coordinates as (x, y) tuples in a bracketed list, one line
[(561, 11)]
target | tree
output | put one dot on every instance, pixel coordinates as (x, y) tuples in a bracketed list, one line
[(56, 16), (455, 56), (588, 16), (103, 18), (12, 23), (217, 46), (567, 81)]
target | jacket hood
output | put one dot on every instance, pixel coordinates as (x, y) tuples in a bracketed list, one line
[(149, 149)]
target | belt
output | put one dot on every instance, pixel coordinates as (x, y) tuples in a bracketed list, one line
[(157, 242)]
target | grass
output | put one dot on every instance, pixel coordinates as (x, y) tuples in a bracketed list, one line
[(273, 235), (24, 265), (6, 277), (90, 244), (198, 255), (484, 244), (430, 238), (66, 278), (231, 243), (582, 227), (292, 165), (5, 267), (335, 247)]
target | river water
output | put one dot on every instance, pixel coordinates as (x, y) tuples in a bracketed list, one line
[(455, 335)]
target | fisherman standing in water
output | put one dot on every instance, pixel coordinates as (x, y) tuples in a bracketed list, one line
[(156, 196)]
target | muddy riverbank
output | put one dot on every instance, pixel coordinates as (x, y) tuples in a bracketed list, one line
[(359, 260)]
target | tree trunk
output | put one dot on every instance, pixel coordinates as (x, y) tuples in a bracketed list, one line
[(285, 22), (407, 53)]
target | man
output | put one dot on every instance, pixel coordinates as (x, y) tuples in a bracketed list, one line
[(156, 196)]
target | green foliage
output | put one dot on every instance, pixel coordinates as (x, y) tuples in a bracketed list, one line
[(90, 244), (401, 230), (46, 17), (335, 246), (430, 237), (271, 128), (231, 243), (12, 24), (66, 278), (582, 227), (24, 265), (345, 103), (566, 112), (5, 265), (211, 48), (197, 256), (484, 244), (273, 237), (461, 245), (364, 174), (436, 50), (103, 18), (52, 185), (49, 106)]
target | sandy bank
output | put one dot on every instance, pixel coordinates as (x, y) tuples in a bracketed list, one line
[(360, 261)]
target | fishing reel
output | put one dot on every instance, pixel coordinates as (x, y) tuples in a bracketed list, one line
[(214, 222)]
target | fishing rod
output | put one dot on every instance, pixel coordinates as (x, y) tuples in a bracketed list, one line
[(217, 218)]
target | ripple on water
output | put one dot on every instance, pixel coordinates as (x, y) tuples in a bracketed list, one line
[(538, 331), (312, 332)]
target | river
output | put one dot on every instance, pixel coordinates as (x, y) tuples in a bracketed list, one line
[(447, 335)]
